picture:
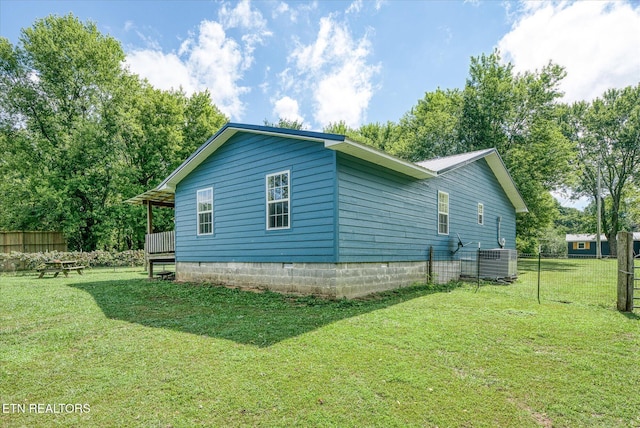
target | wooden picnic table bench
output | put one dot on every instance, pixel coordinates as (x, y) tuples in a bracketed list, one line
[(166, 275), (58, 266)]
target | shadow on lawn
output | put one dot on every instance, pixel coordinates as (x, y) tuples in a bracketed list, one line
[(256, 318)]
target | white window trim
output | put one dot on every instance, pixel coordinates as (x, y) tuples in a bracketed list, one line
[(287, 200), (582, 246), (198, 212), (442, 212), (480, 213)]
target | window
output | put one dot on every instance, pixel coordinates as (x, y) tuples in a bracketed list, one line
[(480, 214), (278, 186), (443, 213), (581, 245), (205, 211)]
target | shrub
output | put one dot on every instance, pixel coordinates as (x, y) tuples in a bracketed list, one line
[(29, 261)]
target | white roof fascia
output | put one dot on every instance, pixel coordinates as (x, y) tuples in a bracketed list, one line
[(504, 178), (378, 157)]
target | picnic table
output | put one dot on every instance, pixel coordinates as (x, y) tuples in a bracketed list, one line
[(58, 266)]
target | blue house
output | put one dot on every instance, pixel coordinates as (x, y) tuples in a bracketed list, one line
[(317, 213), (585, 245)]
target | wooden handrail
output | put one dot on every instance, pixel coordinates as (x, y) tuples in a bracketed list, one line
[(162, 242)]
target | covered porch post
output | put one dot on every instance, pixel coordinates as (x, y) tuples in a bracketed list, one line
[(158, 247), (149, 205)]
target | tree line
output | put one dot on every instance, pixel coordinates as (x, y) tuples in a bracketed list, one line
[(80, 133)]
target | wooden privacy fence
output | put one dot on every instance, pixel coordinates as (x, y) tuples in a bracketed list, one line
[(32, 242)]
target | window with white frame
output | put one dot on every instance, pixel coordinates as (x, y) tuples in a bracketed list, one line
[(480, 213), (278, 193), (582, 246), (443, 213), (205, 211)]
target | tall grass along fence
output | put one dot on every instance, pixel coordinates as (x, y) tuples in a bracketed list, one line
[(17, 261), (542, 277), (32, 242)]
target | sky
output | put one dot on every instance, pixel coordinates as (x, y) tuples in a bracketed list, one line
[(356, 61)]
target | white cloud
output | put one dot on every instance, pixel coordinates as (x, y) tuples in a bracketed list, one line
[(334, 68), (355, 7), (283, 8), (242, 16), (287, 108), (163, 71), (597, 43), (209, 59)]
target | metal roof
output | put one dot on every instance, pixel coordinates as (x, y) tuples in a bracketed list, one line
[(155, 197), (444, 164), (451, 163), (590, 237)]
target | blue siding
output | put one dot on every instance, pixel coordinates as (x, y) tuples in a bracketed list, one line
[(384, 216), (237, 171), (467, 186), (605, 250)]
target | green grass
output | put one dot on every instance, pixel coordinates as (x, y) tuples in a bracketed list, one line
[(163, 354), (583, 281)]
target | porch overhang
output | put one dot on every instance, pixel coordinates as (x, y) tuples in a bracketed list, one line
[(156, 197)]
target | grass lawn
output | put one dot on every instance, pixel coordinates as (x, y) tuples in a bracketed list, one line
[(163, 354), (576, 280)]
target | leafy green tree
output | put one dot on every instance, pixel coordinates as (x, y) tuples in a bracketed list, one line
[(79, 135), (574, 221), (430, 129), (56, 86), (607, 133), (518, 115), (381, 136), (283, 122)]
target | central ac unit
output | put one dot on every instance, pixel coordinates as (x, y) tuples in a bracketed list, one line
[(499, 263)]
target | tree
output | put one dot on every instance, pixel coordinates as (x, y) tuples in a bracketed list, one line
[(430, 129), (159, 131), (79, 135), (56, 87), (378, 135), (283, 122), (607, 133), (518, 115)]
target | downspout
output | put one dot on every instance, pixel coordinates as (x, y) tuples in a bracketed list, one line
[(501, 241)]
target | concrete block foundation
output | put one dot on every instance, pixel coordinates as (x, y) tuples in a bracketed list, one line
[(326, 279)]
